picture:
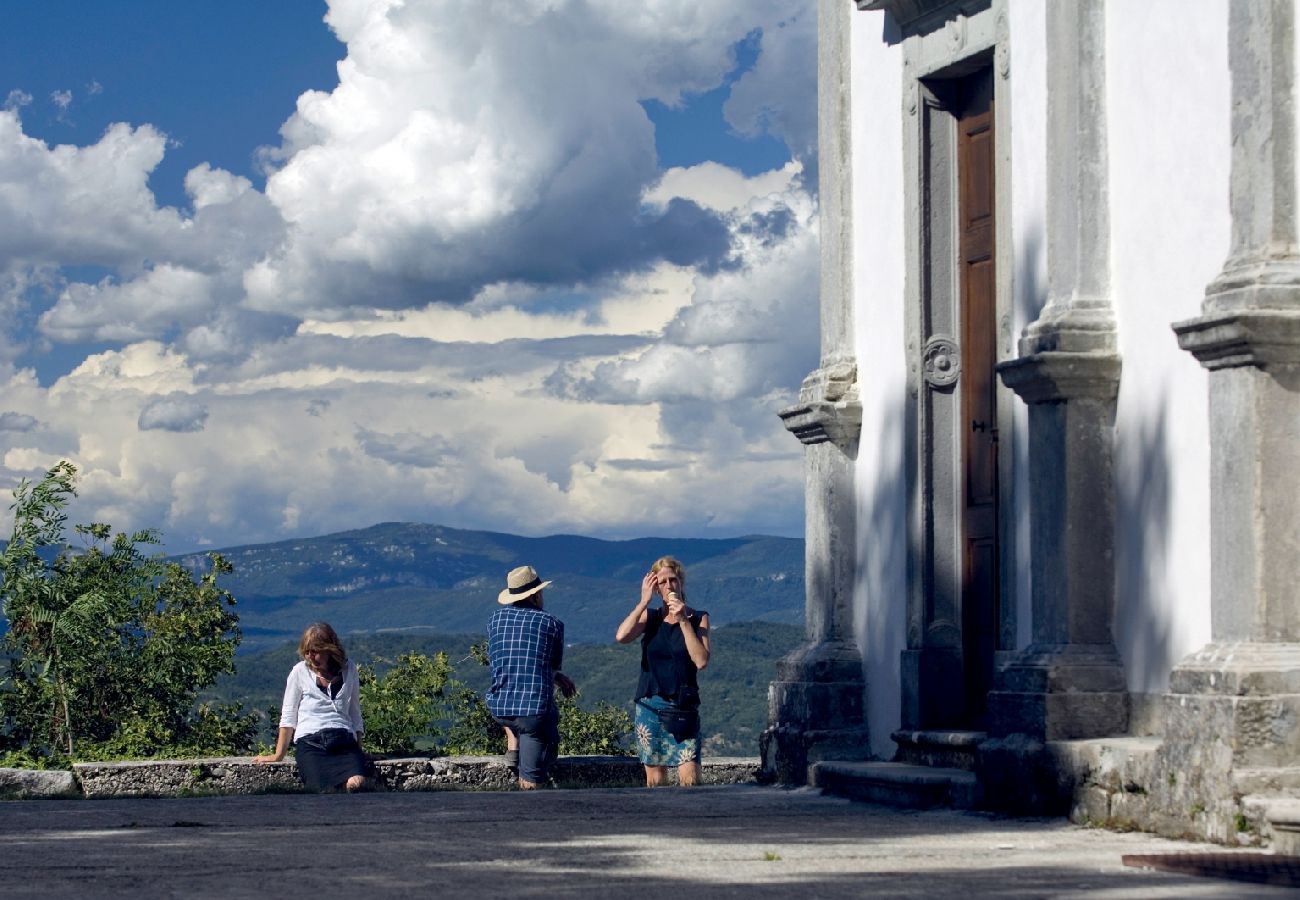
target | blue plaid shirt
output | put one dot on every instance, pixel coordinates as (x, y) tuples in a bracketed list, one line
[(525, 648)]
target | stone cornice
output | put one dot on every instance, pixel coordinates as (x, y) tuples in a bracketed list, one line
[(829, 408), (1248, 338), (911, 13), (1058, 376)]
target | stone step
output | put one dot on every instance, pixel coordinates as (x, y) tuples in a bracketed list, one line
[(1265, 781), (898, 784), (1278, 818), (939, 749)]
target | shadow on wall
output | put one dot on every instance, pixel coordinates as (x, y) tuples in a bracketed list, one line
[(1143, 627), (1030, 298), (882, 598), (1031, 286)]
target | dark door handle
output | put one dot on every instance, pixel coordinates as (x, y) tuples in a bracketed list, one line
[(978, 426)]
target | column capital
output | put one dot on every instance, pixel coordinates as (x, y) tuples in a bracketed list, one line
[(1253, 337), (1058, 376), (829, 408)]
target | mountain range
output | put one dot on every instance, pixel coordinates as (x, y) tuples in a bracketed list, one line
[(418, 577)]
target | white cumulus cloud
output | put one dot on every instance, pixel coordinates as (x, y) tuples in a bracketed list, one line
[(467, 291)]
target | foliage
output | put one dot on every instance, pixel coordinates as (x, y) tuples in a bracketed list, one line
[(473, 731), (405, 704), (419, 699), (603, 731), (107, 647)]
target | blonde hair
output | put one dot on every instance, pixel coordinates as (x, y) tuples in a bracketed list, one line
[(321, 638), (668, 562)]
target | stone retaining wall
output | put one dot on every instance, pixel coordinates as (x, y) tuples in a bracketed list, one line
[(240, 775)]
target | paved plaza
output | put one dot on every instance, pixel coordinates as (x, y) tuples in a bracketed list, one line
[(726, 841)]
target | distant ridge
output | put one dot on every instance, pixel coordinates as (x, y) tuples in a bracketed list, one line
[(411, 576)]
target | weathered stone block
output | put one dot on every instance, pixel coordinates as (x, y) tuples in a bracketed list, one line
[(788, 751), (20, 784), (1091, 806)]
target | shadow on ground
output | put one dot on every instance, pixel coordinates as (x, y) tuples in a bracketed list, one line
[(735, 841)]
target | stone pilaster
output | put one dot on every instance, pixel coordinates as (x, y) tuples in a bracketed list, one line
[(1069, 683), (1234, 706), (815, 706)]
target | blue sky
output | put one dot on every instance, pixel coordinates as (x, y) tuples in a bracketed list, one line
[(284, 268)]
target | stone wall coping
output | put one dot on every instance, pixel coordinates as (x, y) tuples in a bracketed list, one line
[(241, 775)]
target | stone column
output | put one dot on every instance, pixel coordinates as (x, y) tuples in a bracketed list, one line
[(1069, 683), (1236, 702), (815, 706)]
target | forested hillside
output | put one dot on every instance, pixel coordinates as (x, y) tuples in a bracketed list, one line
[(412, 576)]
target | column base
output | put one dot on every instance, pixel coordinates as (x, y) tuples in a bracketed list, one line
[(1231, 729), (815, 711), (1243, 698), (933, 694), (1072, 692)]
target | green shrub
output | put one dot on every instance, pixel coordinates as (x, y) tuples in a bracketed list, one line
[(406, 704), (107, 647)]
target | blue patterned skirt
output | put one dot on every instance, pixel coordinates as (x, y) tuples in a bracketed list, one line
[(655, 745)]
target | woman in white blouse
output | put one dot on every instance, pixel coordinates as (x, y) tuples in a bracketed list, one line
[(321, 715)]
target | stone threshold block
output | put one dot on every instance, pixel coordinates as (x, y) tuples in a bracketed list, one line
[(240, 775)]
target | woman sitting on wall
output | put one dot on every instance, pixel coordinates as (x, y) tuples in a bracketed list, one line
[(321, 715), (674, 647)]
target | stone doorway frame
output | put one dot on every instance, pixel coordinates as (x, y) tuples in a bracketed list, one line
[(943, 41)]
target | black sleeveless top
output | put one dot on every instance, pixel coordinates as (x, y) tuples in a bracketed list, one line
[(666, 667)]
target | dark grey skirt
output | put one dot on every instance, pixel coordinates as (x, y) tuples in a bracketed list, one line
[(328, 758)]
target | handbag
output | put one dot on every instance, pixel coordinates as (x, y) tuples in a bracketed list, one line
[(681, 722)]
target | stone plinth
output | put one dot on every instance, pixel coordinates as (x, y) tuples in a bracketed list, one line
[(1069, 684), (815, 711)]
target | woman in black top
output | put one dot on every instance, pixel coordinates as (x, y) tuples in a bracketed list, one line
[(674, 647)]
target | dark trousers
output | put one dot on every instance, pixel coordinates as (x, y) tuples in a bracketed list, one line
[(539, 743)]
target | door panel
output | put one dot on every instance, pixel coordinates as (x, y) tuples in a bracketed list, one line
[(979, 443)]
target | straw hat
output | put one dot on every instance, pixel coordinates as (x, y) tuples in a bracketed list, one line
[(521, 583)]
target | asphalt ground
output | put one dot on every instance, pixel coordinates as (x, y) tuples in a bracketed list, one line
[(728, 841)]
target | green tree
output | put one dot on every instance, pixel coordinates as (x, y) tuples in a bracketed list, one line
[(107, 646)]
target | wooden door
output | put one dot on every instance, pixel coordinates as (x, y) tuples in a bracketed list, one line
[(979, 443)]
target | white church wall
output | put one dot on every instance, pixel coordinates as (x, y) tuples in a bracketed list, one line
[(1028, 87), (1168, 121), (878, 278), (1168, 102)]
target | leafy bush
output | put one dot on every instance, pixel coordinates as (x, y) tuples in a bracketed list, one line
[(108, 647), (603, 731), (406, 704), (418, 701)]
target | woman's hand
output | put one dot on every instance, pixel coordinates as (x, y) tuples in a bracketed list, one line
[(675, 605), (283, 738), (649, 585), (634, 623)]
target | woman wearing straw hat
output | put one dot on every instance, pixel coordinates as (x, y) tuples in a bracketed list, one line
[(321, 715), (674, 647)]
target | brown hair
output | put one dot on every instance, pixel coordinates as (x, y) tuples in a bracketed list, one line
[(321, 638), (668, 562)]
